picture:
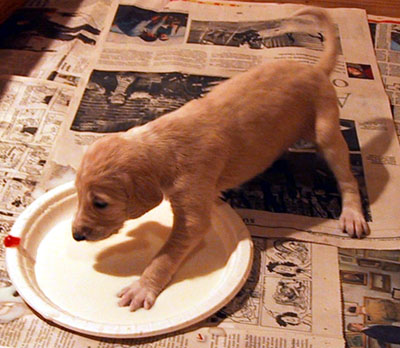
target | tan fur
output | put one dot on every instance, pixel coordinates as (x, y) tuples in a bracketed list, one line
[(210, 144)]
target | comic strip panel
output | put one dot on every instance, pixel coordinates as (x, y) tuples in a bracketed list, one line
[(32, 114), (16, 194), (255, 35), (370, 281), (28, 127), (299, 183), (140, 26), (287, 289), (245, 308), (288, 258), (116, 101), (28, 160), (287, 304)]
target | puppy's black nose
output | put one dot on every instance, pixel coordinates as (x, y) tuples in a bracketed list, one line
[(81, 233), (78, 237)]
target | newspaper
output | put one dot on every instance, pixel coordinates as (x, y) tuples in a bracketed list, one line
[(32, 113), (137, 60), (386, 39), (370, 279)]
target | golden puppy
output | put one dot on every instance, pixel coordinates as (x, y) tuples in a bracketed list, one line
[(208, 145)]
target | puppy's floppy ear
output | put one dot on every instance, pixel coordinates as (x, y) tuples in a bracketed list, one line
[(147, 190), (144, 189)]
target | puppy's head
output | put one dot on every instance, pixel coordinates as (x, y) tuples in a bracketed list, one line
[(114, 183)]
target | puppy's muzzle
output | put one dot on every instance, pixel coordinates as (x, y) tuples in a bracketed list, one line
[(80, 234)]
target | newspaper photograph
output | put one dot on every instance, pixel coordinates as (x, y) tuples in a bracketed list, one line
[(370, 283), (90, 68)]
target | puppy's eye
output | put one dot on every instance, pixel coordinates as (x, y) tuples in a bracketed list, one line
[(99, 204)]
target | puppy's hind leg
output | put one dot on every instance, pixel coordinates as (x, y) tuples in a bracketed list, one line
[(331, 143)]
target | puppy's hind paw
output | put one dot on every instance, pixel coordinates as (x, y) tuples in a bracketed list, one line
[(137, 296), (353, 223)]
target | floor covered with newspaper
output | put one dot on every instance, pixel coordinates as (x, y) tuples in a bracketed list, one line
[(73, 71)]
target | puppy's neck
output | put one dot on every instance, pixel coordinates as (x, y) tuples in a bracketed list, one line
[(150, 155)]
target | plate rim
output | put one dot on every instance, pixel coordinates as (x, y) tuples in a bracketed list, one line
[(56, 315)]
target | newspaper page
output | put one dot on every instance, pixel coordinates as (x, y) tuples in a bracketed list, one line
[(283, 304), (31, 114), (386, 39), (154, 59), (370, 280)]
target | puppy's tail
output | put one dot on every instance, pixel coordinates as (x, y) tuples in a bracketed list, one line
[(327, 61)]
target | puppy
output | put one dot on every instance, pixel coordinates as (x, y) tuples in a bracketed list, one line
[(208, 145)]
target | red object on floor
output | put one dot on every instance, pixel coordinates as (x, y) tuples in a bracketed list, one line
[(10, 241)]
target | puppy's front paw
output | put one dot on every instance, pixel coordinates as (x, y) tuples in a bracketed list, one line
[(136, 296), (353, 222)]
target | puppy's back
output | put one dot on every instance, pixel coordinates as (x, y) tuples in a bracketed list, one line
[(264, 111)]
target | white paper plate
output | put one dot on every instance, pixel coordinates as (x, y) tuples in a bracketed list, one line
[(74, 284)]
